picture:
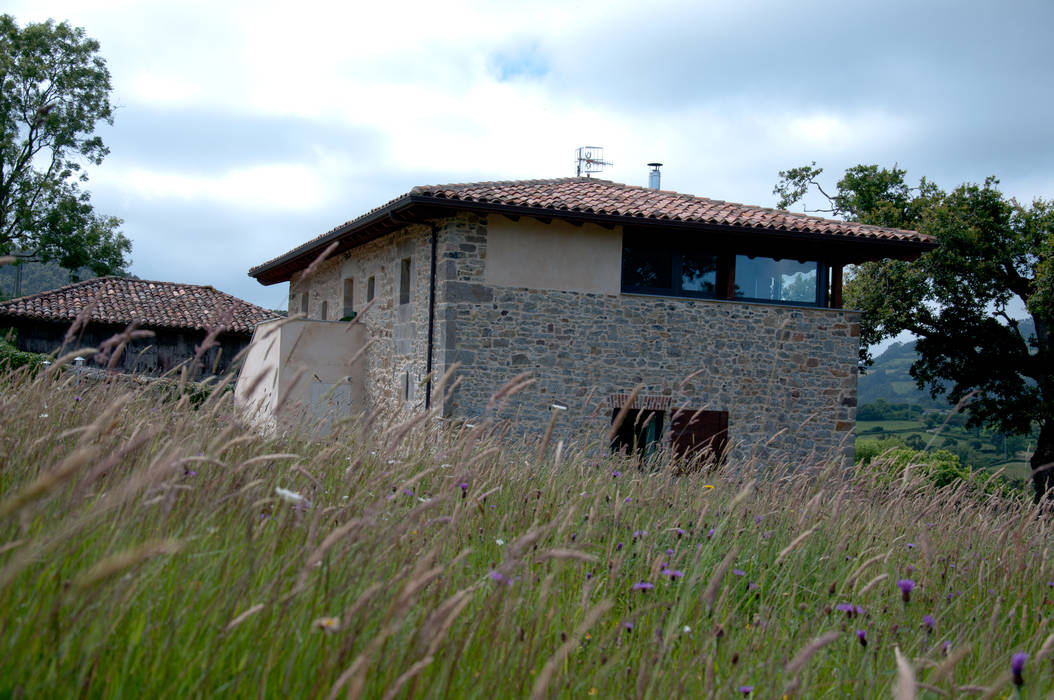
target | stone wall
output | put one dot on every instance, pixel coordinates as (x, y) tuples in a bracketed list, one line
[(773, 368), (397, 333), (785, 375)]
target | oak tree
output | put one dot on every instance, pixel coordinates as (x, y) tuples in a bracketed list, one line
[(965, 301), (54, 91)]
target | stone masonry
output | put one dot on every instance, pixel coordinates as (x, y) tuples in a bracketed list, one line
[(786, 375)]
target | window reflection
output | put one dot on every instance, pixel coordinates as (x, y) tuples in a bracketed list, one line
[(645, 267), (776, 280), (699, 273)]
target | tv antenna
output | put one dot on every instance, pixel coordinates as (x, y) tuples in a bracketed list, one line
[(589, 159)]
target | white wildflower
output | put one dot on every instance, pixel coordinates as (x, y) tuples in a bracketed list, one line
[(289, 496), (687, 629), (499, 542)]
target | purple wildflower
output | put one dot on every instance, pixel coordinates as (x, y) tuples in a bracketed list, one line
[(618, 547), (745, 689), (757, 519), (628, 625), (739, 572), (76, 398), (669, 551), (1017, 665), (672, 573), (629, 499), (643, 586), (928, 623), (753, 586), (408, 492), (680, 532), (640, 533), (710, 533), (616, 474), (574, 536), (589, 575), (906, 586), (862, 636), (911, 545), (495, 576)]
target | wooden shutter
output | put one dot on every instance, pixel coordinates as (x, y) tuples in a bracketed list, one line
[(700, 430)]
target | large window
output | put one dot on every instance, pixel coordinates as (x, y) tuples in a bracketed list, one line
[(651, 266), (768, 279), (679, 266)]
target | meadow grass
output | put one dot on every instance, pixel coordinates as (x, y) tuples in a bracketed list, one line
[(152, 547)]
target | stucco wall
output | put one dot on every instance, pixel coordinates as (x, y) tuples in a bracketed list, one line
[(558, 256), (296, 367)]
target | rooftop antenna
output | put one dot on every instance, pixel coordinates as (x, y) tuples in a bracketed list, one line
[(589, 159)]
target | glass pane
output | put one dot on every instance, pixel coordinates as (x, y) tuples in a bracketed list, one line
[(776, 280), (699, 273), (645, 266)]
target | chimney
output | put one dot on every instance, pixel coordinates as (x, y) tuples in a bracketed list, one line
[(654, 175)]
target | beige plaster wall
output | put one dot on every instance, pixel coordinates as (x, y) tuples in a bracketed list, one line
[(296, 368), (557, 256)]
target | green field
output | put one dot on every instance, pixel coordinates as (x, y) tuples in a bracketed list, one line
[(152, 546)]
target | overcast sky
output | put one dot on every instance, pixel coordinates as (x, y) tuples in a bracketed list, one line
[(245, 128)]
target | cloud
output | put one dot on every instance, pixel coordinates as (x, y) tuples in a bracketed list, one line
[(248, 128)]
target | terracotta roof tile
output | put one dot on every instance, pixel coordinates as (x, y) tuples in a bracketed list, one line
[(604, 197), (589, 197), (122, 300)]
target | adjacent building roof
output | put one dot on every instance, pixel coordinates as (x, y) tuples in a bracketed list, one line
[(121, 300), (582, 199)]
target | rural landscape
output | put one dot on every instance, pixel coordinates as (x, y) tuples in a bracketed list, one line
[(151, 542), (525, 434)]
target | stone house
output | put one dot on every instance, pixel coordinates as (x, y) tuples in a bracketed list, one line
[(727, 317), (179, 315)]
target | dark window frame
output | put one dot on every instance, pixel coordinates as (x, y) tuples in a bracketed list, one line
[(823, 272), (676, 250)]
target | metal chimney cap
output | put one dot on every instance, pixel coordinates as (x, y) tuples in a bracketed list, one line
[(654, 165)]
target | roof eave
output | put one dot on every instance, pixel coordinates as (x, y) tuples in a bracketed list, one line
[(415, 208)]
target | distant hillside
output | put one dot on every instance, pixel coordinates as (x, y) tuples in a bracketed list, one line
[(37, 277), (889, 378)]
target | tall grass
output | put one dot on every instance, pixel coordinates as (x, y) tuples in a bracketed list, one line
[(150, 547)]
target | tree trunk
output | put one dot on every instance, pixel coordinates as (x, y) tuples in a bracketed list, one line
[(1043, 462)]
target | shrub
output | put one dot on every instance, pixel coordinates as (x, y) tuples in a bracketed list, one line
[(869, 448), (11, 357)]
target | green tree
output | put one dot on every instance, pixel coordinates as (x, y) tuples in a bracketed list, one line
[(54, 90), (993, 255)]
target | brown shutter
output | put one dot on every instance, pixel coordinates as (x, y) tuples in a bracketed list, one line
[(699, 430)]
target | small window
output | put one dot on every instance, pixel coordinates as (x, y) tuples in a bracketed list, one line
[(640, 432), (303, 303), (371, 285), (349, 299), (325, 311), (404, 281)]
